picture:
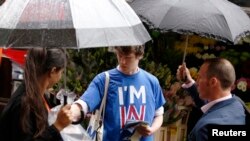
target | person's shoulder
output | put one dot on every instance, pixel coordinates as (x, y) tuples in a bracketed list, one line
[(148, 74), (110, 71), (101, 75)]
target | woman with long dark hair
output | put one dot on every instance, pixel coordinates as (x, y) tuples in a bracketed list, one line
[(25, 117)]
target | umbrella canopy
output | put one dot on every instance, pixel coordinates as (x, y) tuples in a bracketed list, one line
[(70, 23), (218, 19)]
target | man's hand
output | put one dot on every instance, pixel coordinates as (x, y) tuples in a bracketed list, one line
[(144, 130), (76, 112), (183, 74)]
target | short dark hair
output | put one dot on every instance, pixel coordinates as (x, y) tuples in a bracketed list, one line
[(223, 70), (138, 50)]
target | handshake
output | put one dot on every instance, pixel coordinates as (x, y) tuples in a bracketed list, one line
[(75, 110)]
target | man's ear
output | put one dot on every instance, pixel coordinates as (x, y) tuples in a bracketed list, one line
[(213, 81)]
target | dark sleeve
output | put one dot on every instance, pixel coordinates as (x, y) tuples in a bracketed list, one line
[(51, 100), (202, 134), (10, 129), (51, 134), (195, 95), (13, 130)]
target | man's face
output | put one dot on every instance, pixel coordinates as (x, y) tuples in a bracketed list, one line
[(203, 83), (128, 62)]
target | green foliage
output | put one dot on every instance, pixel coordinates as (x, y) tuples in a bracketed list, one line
[(83, 65), (155, 34), (162, 72), (235, 57)]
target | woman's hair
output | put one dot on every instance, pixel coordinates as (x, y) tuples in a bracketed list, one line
[(138, 50), (39, 61), (223, 70)]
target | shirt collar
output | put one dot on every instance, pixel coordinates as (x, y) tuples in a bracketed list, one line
[(206, 107), (118, 68)]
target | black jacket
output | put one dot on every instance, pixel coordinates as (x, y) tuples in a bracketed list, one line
[(10, 122)]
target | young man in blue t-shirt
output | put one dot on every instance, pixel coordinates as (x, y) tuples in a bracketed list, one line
[(133, 94)]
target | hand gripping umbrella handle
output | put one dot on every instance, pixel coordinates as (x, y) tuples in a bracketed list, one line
[(82, 114)]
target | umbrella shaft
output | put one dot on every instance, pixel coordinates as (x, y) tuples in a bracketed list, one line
[(185, 50)]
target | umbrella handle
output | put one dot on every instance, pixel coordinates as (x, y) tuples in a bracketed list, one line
[(184, 78), (65, 69)]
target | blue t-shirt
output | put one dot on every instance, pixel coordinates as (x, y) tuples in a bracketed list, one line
[(135, 97)]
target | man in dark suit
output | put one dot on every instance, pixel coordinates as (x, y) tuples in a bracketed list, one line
[(212, 93)]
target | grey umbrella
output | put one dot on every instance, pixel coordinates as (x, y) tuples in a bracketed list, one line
[(218, 19), (70, 23)]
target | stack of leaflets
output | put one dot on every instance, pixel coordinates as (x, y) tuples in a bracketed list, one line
[(128, 133)]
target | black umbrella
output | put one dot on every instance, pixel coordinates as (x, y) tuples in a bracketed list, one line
[(217, 19)]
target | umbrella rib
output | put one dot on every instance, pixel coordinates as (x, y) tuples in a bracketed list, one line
[(130, 26)]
